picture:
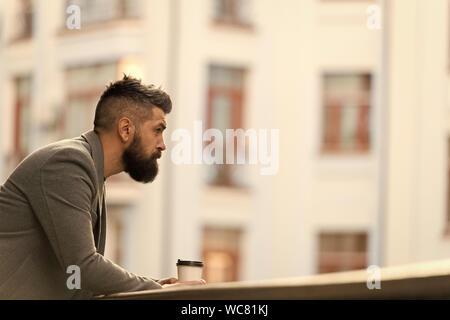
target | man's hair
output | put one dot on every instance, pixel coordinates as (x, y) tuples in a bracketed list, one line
[(129, 98)]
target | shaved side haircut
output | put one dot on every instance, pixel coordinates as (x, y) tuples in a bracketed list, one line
[(129, 98)]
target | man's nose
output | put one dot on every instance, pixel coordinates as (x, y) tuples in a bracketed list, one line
[(161, 146)]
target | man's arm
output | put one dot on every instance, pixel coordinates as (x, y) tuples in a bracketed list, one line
[(67, 188)]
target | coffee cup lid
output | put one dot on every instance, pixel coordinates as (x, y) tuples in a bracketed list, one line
[(189, 263)]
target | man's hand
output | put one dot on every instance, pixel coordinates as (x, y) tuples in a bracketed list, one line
[(167, 281), (178, 284)]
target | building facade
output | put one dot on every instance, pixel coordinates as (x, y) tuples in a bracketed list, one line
[(362, 114)]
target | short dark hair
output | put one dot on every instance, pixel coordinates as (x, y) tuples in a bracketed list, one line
[(129, 97)]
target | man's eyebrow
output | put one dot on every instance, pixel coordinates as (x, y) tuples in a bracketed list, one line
[(162, 124)]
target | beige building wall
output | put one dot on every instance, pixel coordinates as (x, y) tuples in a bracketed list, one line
[(417, 146), (285, 52), (312, 192)]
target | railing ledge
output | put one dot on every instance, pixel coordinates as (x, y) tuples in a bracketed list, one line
[(427, 280)]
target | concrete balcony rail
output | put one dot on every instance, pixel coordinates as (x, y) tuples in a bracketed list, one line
[(429, 280)]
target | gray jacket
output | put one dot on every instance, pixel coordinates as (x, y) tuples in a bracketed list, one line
[(53, 215)]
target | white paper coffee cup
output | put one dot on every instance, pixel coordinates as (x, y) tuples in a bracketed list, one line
[(189, 270)]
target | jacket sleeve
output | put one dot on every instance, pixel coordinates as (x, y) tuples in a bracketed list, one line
[(67, 182)]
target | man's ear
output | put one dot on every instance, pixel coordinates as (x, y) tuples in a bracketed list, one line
[(125, 129)]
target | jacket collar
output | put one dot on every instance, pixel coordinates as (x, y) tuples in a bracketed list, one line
[(97, 155)]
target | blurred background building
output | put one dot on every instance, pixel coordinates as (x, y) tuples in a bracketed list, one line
[(363, 114)]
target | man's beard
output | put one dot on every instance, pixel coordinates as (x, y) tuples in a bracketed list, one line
[(137, 165)]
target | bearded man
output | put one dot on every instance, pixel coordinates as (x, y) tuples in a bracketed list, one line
[(52, 207)]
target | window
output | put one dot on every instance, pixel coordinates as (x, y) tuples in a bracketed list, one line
[(232, 11), (224, 111), (22, 117), (97, 11), (85, 84), (221, 254), (25, 19), (346, 105), (342, 251)]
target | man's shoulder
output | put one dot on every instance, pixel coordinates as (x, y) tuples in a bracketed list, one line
[(64, 159), (71, 149), (60, 155)]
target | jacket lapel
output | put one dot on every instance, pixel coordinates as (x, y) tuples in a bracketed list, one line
[(102, 226), (97, 155)]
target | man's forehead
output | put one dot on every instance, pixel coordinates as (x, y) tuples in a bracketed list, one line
[(158, 117), (158, 114)]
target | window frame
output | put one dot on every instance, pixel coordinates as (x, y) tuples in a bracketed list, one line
[(337, 257), (231, 248), (363, 136), (230, 20), (26, 13), (237, 96)]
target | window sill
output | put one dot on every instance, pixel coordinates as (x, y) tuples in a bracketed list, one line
[(232, 24), (345, 153), (20, 39), (229, 188)]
